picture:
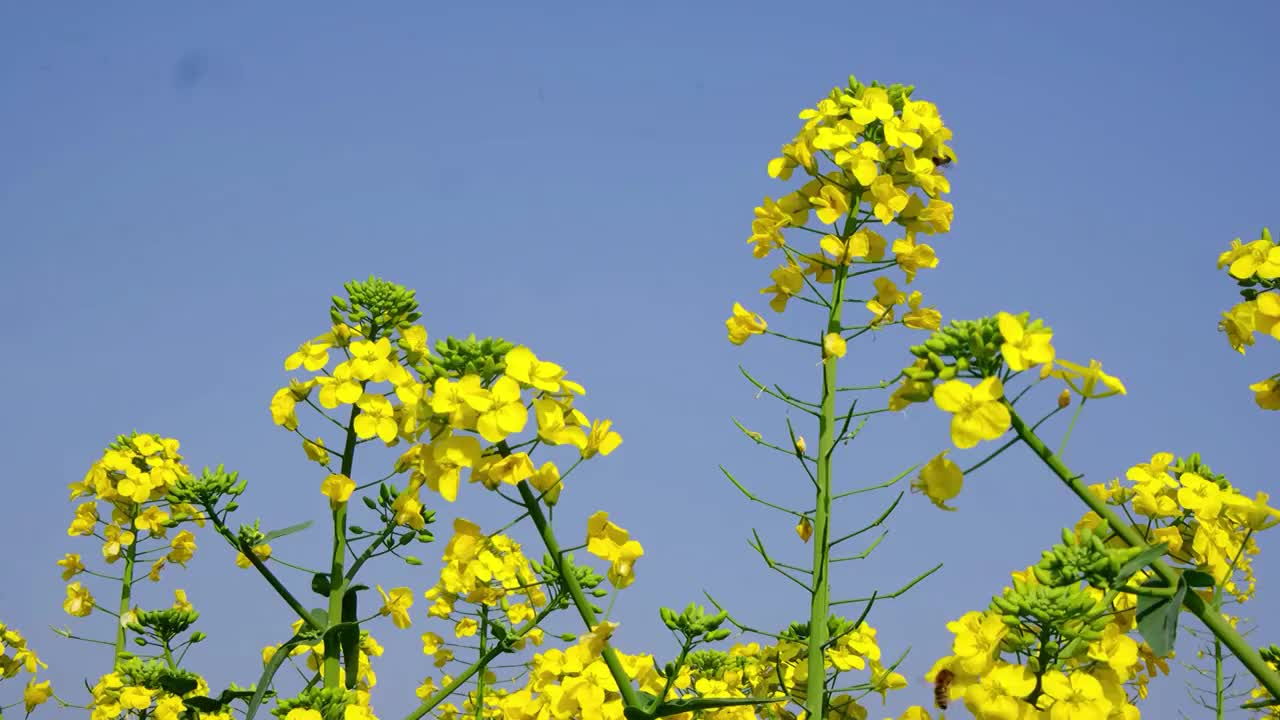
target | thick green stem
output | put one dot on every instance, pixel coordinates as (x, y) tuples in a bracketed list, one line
[(337, 582), (571, 585), (819, 597), (1211, 618), (126, 593)]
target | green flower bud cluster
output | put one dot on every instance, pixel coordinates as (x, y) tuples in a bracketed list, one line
[(694, 623), (1271, 655), (166, 624), (387, 494), (707, 663), (836, 627), (1193, 464), (331, 703), (1049, 624), (375, 306), (251, 535), (207, 489), (456, 358), (1083, 557), (550, 573), (156, 675), (898, 96), (957, 347)]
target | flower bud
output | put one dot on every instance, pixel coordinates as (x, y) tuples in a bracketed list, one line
[(1064, 398), (800, 445)]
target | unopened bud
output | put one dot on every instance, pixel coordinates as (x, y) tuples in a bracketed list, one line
[(800, 444), (1064, 398)]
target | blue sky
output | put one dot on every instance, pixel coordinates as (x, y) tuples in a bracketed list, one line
[(183, 187)]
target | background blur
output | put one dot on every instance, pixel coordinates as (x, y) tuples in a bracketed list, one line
[(183, 188)]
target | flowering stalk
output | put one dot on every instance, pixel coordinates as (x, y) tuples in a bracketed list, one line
[(1212, 619), (337, 581), (126, 593), (819, 601)]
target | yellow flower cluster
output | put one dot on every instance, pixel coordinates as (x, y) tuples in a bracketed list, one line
[(1090, 687), (866, 150), (16, 657), (444, 421), (1205, 522), (113, 695), (485, 570), (1257, 265), (132, 477)]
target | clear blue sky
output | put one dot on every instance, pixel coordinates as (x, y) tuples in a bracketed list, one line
[(182, 187)]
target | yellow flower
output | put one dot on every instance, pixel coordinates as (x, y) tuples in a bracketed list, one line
[(1089, 378), (831, 203), (918, 318), (887, 296), (524, 366), (1077, 697), (546, 480), (35, 693), (978, 413), (79, 602), (396, 604), (833, 345), (377, 417), (315, 450), (312, 355), (940, 480), (431, 643), (261, 551), (1266, 393), (1024, 347), (466, 627), (610, 542), (180, 601), (912, 257), (507, 413), (71, 565), (804, 529), (1260, 257), (1000, 692), (601, 440), (743, 324), (337, 488), (788, 281), (182, 548)]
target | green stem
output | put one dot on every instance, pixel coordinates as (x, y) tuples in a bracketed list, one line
[(481, 663), (819, 597), (264, 571), (1062, 449), (571, 585), (337, 581), (484, 632), (1213, 620), (126, 593)]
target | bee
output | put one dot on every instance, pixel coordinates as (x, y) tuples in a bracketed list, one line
[(942, 688), (942, 161)]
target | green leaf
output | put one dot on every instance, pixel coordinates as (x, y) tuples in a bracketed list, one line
[(178, 685), (320, 584), (272, 665), (1197, 579), (277, 534), (1141, 560), (203, 704), (1158, 619)]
